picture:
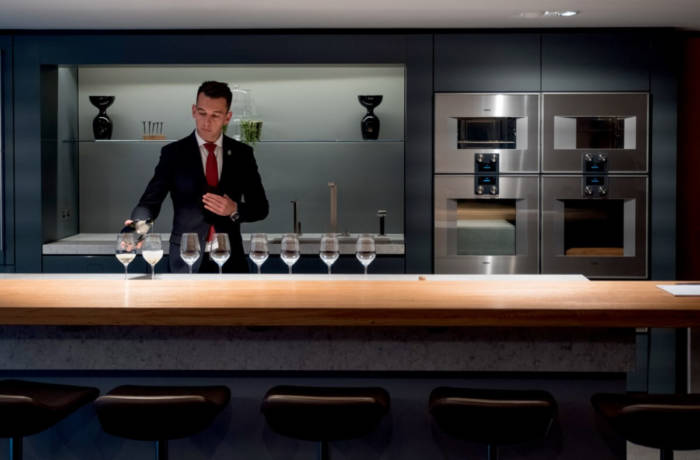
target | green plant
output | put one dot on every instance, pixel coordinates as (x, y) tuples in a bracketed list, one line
[(251, 131)]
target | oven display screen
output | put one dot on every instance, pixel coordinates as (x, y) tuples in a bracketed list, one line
[(486, 180), (595, 180)]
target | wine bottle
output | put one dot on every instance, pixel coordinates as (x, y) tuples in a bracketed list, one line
[(140, 227)]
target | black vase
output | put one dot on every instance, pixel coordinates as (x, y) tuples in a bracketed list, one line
[(370, 122), (102, 124)]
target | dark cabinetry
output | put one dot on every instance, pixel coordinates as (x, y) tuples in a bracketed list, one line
[(556, 61), (595, 61), (487, 62)]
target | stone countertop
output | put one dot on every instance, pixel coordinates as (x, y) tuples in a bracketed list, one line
[(103, 244)]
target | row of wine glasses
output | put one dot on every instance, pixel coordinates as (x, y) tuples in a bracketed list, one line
[(190, 250), (127, 246), (365, 250), (219, 252), (152, 250)]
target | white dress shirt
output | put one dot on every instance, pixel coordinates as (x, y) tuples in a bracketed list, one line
[(218, 153)]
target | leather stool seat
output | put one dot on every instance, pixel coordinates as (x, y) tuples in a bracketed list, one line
[(324, 413), (155, 413), (30, 407), (493, 417), (666, 422)]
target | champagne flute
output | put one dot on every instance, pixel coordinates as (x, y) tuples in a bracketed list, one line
[(126, 249), (189, 249), (289, 250), (152, 252), (258, 250), (365, 250), (220, 249), (330, 249)]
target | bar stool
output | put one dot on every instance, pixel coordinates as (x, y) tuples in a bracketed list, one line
[(160, 413), (665, 422), (493, 417), (324, 414), (30, 407)]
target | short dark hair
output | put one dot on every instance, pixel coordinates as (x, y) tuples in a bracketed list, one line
[(216, 89)]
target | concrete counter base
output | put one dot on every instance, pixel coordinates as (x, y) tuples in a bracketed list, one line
[(317, 348)]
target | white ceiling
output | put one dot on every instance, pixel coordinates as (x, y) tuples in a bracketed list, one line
[(329, 14)]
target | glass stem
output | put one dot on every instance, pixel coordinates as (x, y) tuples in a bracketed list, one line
[(153, 272), (365, 270), (329, 269), (290, 269), (259, 269), (190, 267), (220, 272), (126, 273)]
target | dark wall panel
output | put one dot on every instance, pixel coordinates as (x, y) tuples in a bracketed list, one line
[(688, 244), (595, 61), (28, 232), (418, 158), (665, 65), (487, 62), (7, 154)]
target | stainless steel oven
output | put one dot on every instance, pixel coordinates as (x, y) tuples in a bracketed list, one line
[(468, 127), (595, 225), (595, 132), (486, 224)]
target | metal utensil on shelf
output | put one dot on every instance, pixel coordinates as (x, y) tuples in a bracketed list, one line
[(296, 223), (334, 207), (381, 213)]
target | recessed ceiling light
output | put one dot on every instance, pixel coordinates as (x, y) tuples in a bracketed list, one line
[(564, 13)]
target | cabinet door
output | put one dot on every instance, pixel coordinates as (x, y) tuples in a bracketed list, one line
[(609, 61), (487, 62)]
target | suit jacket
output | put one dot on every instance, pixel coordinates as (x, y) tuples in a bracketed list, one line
[(180, 173)]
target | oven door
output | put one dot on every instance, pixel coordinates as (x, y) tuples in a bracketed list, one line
[(470, 125), (486, 234), (600, 235), (603, 131)]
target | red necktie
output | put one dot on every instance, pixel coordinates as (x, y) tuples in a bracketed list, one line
[(212, 176)]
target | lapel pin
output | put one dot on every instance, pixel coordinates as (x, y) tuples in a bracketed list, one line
[(228, 152)]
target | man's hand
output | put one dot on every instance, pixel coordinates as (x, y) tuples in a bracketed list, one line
[(219, 205)]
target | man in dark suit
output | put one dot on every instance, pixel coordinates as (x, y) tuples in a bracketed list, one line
[(213, 182)]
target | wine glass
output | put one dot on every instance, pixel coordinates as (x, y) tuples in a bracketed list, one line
[(365, 250), (289, 250), (330, 249), (258, 249), (220, 249), (189, 248), (126, 249), (152, 252)]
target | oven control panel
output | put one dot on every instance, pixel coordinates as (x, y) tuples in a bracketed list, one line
[(486, 163), (486, 185), (595, 186), (595, 163)]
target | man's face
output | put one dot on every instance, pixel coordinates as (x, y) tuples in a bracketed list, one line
[(210, 115)]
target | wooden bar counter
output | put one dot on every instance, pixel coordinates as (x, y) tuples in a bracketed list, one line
[(249, 300)]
